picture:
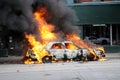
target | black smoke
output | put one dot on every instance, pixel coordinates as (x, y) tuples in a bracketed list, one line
[(17, 17), (60, 15)]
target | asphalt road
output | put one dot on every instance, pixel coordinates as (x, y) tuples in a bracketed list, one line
[(92, 70), (19, 59)]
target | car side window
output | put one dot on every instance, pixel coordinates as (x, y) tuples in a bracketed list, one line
[(70, 46), (57, 46)]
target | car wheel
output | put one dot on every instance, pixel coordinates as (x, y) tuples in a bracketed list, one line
[(90, 57), (65, 57), (47, 59), (103, 55), (82, 58)]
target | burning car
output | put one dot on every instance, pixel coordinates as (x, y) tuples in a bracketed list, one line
[(65, 50), (45, 46)]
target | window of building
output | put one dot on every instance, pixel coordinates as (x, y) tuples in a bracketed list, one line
[(100, 33)]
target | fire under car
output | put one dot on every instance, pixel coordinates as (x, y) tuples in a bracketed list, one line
[(65, 50)]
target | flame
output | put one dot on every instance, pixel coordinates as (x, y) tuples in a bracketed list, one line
[(71, 46), (76, 39), (82, 44), (46, 34), (44, 28), (102, 59)]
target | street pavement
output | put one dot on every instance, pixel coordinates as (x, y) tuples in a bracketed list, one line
[(91, 70), (113, 55), (19, 59)]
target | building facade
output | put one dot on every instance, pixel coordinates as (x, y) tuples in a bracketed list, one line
[(78, 1), (99, 20)]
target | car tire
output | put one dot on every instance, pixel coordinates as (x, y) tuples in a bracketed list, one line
[(65, 57), (80, 57), (90, 57), (103, 55), (47, 59)]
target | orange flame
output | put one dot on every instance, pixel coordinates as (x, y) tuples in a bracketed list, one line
[(45, 31), (82, 44), (71, 46), (76, 39), (46, 35)]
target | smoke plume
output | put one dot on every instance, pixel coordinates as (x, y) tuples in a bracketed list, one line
[(18, 15), (62, 16)]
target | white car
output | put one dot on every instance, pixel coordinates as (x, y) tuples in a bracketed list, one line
[(65, 50), (100, 40)]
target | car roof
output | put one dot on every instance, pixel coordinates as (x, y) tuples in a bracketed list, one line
[(53, 42)]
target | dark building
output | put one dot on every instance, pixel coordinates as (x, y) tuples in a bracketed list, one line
[(100, 19)]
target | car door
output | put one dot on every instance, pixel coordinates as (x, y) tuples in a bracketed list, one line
[(57, 50), (71, 50)]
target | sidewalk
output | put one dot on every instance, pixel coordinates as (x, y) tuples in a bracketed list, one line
[(11, 60)]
